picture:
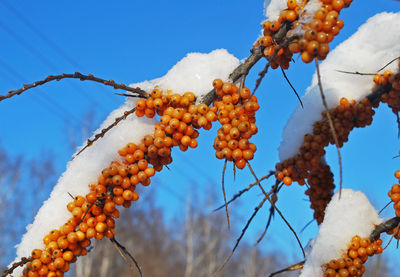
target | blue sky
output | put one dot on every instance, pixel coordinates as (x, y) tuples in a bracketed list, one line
[(131, 41)]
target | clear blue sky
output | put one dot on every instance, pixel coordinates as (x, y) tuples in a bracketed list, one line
[(131, 41)]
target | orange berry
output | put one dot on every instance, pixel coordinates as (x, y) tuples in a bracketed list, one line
[(59, 263), (287, 181), (241, 163)]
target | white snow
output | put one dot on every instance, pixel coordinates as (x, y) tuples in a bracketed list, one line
[(273, 8), (195, 73), (372, 46), (307, 16), (346, 217)]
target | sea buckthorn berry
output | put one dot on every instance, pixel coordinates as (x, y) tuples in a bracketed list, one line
[(397, 174), (287, 181), (217, 83), (292, 4), (141, 104), (241, 163)]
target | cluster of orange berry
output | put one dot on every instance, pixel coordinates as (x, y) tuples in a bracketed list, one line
[(316, 35), (393, 97), (352, 263), (394, 194), (180, 118), (236, 113), (308, 163), (320, 190), (93, 216)]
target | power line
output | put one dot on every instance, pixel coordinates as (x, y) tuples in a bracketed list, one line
[(52, 106), (41, 57), (49, 42)]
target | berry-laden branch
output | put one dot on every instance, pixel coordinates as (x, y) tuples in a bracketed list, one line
[(137, 91), (10, 270)]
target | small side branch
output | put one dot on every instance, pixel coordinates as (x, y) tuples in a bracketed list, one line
[(256, 209), (294, 267), (290, 84), (10, 270), (76, 75), (277, 210), (330, 125), (105, 130), (223, 191), (128, 258), (237, 195)]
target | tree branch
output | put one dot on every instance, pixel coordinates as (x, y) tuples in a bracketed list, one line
[(76, 75), (384, 227), (10, 270)]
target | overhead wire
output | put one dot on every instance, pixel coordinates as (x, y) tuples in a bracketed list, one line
[(50, 42), (48, 103), (42, 58)]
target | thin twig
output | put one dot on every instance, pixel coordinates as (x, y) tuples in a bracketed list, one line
[(308, 224), (395, 232), (105, 130), (234, 171), (10, 270), (256, 209), (398, 124), (385, 207), (124, 253), (129, 95), (276, 208), (76, 75), (389, 63), (275, 190), (294, 267), (223, 191), (290, 84), (84, 215), (271, 214), (328, 115), (237, 195), (259, 79), (356, 73)]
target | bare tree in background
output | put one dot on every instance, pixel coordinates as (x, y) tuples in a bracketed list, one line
[(19, 176)]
